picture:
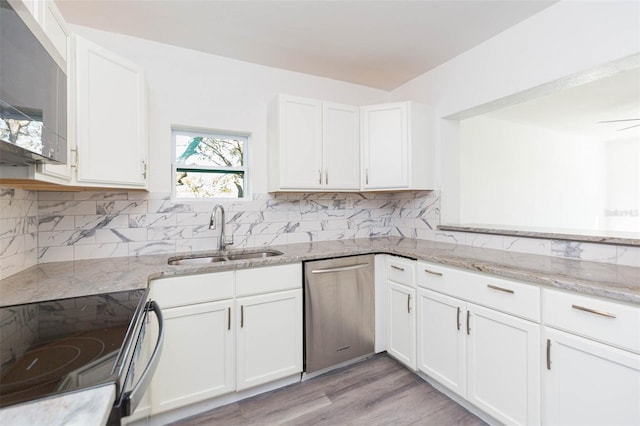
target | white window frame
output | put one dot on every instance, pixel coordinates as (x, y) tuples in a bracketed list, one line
[(193, 132)]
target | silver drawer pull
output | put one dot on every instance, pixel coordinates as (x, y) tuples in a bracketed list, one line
[(495, 287), (593, 311), (397, 267), (439, 274)]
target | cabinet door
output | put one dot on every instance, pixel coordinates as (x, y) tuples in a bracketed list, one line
[(589, 383), (55, 28), (269, 337), (110, 109), (503, 368), (385, 146), (341, 146), (401, 323), (300, 143), (441, 339), (197, 361)]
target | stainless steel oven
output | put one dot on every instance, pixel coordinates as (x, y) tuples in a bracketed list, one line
[(67, 345)]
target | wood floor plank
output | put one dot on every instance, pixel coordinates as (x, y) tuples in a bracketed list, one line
[(376, 391)]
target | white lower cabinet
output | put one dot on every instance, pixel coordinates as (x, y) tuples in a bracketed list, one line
[(591, 372), (225, 332), (269, 337), (401, 323), (503, 364), (488, 357), (589, 383), (197, 361), (400, 310), (442, 340)]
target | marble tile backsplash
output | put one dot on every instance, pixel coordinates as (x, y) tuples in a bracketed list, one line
[(18, 230), (59, 226), (84, 225)]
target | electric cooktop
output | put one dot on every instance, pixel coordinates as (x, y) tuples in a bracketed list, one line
[(56, 346)]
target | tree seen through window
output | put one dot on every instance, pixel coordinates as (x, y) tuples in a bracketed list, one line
[(210, 165)]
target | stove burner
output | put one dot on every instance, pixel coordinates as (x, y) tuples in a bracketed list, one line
[(42, 369)]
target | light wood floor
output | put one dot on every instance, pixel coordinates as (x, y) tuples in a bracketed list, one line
[(377, 391)]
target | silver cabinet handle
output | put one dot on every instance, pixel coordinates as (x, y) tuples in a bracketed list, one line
[(594, 311), (144, 169), (397, 267), (326, 176), (468, 325), (229, 318), (340, 269), (439, 274), (241, 316), (74, 164), (320, 177), (458, 319), (495, 287), (548, 354), (409, 303), (366, 174)]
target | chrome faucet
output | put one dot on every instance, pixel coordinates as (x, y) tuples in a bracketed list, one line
[(212, 225)]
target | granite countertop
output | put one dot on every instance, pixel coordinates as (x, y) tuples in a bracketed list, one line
[(76, 278), (69, 279), (87, 407)]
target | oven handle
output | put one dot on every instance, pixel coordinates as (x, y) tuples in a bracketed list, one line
[(132, 398)]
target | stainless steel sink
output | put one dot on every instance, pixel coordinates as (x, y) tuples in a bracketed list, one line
[(222, 257)]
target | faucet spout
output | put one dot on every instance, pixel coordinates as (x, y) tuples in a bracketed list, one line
[(212, 225)]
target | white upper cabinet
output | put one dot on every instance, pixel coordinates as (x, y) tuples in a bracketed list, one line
[(50, 20), (110, 112), (106, 110), (296, 146), (340, 146), (396, 146), (323, 146), (55, 28), (313, 145)]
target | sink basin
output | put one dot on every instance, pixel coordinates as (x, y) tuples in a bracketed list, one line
[(221, 258)]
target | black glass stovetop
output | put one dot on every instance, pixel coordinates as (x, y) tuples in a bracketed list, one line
[(56, 346)]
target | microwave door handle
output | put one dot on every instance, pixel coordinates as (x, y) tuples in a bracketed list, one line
[(132, 398)]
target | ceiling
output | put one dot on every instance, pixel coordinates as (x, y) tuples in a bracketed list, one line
[(605, 108), (381, 44)]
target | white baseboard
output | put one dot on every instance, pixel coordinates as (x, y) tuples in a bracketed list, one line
[(201, 407)]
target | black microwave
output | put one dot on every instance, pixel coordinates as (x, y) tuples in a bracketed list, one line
[(33, 96)]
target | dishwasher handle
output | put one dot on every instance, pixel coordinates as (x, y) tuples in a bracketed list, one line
[(340, 268)]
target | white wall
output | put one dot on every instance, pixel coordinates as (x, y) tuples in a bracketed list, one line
[(514, 174), (622, 201), (566, 38), (191, 88)]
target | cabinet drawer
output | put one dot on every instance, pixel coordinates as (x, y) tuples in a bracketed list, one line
[(401, 270), (268, 279), (508, 296), (191, 289), (602, 320)]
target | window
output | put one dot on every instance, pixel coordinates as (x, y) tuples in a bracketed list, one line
[(208, 164)]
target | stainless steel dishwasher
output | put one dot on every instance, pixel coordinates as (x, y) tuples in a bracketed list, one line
[(339, 311)]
